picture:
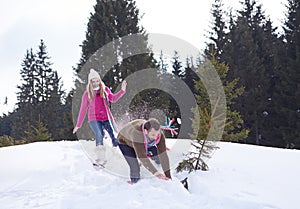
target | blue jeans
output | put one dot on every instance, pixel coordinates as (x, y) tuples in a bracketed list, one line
[(98, 126)]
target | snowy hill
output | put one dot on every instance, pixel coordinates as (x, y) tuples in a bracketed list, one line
[(50, 175)]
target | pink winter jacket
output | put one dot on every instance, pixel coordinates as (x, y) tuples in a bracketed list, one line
[(95, 107)]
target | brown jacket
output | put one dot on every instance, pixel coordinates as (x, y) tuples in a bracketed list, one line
[(132, 136)]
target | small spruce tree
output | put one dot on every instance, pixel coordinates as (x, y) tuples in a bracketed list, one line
[(210, 121), (37, 133)]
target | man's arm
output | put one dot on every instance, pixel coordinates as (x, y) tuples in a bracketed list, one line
[(141, 154), (163, 156)]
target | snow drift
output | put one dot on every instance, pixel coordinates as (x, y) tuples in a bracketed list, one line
[(49, 175)]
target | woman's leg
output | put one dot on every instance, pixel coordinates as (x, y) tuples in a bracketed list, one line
[(97, 128), (132, 161), (110, 131)]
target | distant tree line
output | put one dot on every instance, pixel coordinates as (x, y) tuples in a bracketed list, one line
[(41, 102), (257, 66), (267, 64)]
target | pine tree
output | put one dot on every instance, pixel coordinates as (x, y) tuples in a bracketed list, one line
[(202, 146), (49, 91), (27, 90), (6, 141), (272, 54), (5, 128), (44, 73), (218, 35), (37, 132), (112, 22), (177, 66), (233, 130), (254, 52), (245, 53), (228, 47), (54, 118), (66, 132), (190, 76), (176, 73), (40, 92), (289, 79), (210, 122), (27, 98)]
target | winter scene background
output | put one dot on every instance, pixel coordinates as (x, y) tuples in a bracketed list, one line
[(253, 48)]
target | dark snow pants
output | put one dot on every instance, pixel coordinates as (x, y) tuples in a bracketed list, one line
[(132, 161)]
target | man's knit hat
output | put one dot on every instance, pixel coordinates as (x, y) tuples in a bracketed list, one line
[(93, 74)]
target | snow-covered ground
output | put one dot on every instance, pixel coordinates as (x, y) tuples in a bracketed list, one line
[(58, 175)]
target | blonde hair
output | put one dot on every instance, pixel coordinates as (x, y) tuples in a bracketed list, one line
[(91, 92)]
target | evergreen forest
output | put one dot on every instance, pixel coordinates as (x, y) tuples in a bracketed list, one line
[(257, 65)]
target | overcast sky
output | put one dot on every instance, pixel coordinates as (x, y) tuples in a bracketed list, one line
[(62, 25)]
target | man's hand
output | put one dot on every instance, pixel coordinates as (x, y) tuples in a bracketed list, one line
[(161, 176)]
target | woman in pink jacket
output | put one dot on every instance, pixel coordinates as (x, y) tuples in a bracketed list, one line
[(95, 102)]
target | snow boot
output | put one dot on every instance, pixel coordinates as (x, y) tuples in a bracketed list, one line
[(100, 154)]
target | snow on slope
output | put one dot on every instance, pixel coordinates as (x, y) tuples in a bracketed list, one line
[(49, 175)]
